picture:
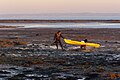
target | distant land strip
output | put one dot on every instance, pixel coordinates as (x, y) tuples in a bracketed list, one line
[(58, 21)]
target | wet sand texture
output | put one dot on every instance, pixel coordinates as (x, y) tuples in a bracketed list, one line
[(38, 59)]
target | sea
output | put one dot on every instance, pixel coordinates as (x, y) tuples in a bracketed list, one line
[(63, 16)]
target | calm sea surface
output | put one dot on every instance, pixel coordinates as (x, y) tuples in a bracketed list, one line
[(64, 16)]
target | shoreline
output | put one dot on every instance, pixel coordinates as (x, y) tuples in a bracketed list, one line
[(56, 21)]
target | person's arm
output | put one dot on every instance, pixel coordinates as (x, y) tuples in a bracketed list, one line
[(61, 36)]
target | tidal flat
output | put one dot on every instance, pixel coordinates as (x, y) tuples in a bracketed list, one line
[(28, 54)]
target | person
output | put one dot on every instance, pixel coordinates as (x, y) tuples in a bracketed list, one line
[(84, 46), (57, 38)]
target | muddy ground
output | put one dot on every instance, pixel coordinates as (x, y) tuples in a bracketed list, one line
[(38, 59)]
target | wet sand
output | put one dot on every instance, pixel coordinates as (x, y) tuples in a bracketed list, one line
[(38, 59)]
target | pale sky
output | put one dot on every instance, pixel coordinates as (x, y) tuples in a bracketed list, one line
[(58, 6)]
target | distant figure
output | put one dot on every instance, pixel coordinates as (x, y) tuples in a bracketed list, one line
[(57, 38), (84, 46)]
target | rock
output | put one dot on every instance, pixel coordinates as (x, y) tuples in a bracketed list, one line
[(3, 55)]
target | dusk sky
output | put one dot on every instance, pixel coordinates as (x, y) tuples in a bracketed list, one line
[(58, 6)]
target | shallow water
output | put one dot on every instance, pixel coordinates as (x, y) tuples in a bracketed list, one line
[(64, 16), (64, 25)]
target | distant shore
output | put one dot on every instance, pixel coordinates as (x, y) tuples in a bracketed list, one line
[(10, 26), (57, 21)]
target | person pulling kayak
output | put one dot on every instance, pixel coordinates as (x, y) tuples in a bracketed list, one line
[(57, 38)]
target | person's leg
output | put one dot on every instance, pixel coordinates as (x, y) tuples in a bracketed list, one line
[(56, 42), (85, 47), (61, 45), (81, 46)]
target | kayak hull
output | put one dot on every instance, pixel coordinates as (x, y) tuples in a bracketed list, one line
[(72, 42)]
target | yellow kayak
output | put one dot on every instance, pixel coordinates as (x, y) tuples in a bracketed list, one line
[(68, 41)]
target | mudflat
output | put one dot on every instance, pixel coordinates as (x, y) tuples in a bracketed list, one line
[(30, 54)]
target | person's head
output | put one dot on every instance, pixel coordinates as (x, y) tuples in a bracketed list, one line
[(59, 32)]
